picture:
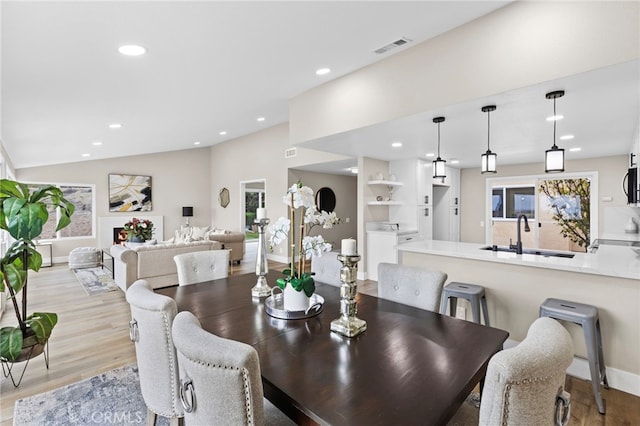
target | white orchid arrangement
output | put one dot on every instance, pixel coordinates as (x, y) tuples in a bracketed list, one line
[(302, 245)]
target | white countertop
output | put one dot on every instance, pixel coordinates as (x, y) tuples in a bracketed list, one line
[(609, 260)]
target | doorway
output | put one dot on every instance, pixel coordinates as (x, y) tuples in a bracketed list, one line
[(253, 197)]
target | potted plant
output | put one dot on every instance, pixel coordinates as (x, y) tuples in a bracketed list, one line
[(23, 213), (298, 285), (138, 230)]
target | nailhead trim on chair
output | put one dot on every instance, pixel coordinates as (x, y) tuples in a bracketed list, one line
[(245, 379), (507, 391), (172, 362)]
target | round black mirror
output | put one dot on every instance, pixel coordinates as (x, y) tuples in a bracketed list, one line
[(326, 199)]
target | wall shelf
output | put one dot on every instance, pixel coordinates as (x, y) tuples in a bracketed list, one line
[(385, 182), (385, 203)]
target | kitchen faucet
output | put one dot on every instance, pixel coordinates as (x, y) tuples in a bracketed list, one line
[(518, 245)]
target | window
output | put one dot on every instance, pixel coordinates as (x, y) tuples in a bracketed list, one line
[(82, 220), (511, 202)]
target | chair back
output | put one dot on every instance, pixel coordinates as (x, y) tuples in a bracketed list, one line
[(326, 268), (411, 286), (524, 383), (220, 378), (150, 329), (201, 266)]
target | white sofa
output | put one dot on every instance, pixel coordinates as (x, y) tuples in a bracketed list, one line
[(153, 263)]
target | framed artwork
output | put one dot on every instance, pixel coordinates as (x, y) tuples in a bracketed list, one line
[(129, 193)]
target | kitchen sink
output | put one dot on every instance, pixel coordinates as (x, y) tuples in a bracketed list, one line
[(545, 253)]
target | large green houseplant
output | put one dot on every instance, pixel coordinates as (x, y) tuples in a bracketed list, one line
[(23, 213)]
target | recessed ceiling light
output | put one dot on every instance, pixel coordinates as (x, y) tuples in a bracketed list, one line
[(115, 126), (354, 170), (96, 143), (566, 137), (430, 154), (576, 149), (222, 133), (260, 119), (455, 161), (396, 144), (555, 117), (196, 143), (132, 50), (86, 155), (323, 71)]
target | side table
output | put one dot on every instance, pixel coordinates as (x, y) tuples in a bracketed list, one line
[(45, 249), (108, 262)]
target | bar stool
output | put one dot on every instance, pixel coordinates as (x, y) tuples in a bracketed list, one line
[(471, 292), (585, 316)]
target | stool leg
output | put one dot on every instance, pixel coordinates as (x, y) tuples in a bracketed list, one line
[(453, 304), (485, 312), (443, 303), (603, 367), (475, 310), (591, 341)]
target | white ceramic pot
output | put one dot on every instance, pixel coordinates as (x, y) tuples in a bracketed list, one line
[(295, 300)]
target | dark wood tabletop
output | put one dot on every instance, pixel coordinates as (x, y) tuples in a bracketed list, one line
[(410, 367)]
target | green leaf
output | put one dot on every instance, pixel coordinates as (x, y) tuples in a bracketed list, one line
[(10, 342), (282, 283), (308, 285), (42, 324), (16, 276)]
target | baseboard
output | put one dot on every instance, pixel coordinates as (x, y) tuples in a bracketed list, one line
[(277, 258), (618, 379)]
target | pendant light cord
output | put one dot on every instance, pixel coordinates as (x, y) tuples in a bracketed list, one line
[(488, 129), (555, 120), (438, 140)]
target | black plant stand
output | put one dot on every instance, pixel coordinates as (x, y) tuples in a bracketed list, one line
[(28, 353)]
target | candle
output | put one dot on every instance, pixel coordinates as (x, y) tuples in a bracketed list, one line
[(349, 247), (261, 213)]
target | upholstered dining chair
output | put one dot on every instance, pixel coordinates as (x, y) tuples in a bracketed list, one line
[(524, 385), (220, 378), (200, 266), (150, 329), (411, 286), (326, 268)]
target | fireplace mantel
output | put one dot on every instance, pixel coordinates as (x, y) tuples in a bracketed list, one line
[(107, 223)]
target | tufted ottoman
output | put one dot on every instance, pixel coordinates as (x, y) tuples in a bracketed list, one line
[(84, 257)]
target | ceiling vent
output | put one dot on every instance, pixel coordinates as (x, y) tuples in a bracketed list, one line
[(398, 43), (290, 152)]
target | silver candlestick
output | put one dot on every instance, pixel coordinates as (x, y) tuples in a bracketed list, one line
[(348, 324), (261, 289)]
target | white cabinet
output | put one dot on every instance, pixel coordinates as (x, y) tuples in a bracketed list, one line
[(446, 207), (416, 196), (380, 248)]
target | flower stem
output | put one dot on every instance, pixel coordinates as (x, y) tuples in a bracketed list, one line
[(292, 238)]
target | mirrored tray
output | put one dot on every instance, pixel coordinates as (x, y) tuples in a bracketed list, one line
[(274, 305)]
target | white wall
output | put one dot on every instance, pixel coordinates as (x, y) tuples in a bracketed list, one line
[(178, 178), (519, 45)]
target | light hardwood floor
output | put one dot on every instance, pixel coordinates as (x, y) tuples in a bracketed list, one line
[(92, 337)]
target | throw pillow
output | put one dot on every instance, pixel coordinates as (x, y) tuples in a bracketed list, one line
[(197, 233)]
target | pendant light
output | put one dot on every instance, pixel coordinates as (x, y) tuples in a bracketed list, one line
[(554, 157), (439, 163), (489, 159)]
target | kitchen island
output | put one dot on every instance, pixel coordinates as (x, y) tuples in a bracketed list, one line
[(516, 285)]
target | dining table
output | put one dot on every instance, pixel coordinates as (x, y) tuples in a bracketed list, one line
[(410, 367)]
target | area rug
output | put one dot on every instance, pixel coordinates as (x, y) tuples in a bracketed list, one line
[(95, 280), (109, 398)]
